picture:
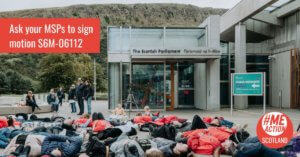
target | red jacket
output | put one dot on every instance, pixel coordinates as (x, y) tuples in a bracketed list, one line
[(167, 119), (100, 125), (82, 120), (3, 123), (203, 144), (142, 119)]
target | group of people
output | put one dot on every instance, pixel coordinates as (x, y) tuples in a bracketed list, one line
[(94, 135), (76, 94)]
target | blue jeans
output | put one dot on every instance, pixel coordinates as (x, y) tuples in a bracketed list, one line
[(252, 147), (89, 105), (73, 107), (54, 106), (226, 123)]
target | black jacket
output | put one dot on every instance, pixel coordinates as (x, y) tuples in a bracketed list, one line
[(61, 94), (71, 94), (88, 92), (79, 90), (29, 102)]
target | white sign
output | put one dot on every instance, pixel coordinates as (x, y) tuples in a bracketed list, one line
[(171, 52)]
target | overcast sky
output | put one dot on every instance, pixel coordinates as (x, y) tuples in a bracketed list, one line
[(10, 5)]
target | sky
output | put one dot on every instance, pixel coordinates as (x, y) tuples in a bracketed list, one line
[(11, 5)]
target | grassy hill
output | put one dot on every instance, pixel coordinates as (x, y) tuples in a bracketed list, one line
[(176, 15)]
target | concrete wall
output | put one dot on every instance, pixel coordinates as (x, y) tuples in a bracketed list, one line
[(280, 80), (212, 67)]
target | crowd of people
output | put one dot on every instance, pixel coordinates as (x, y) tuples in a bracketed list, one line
[(82, 91), (94, 135)]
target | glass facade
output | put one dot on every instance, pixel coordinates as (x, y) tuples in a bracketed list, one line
[(185, 84), (148, 85), (121, 38)]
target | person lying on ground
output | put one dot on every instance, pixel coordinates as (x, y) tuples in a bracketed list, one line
[(30, 101), (61, 146), (249, 148), (171, 148), (218, 121), (99, 123), (32, 140)]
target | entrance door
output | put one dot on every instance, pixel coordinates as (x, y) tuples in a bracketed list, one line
[(185, 85)]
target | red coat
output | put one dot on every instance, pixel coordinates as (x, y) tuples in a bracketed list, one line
[(82, 120), (167, 119), (142, 119), (3, 123), (100, 125), (203, 144)]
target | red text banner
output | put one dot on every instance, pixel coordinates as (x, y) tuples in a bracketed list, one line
[(50, 35)]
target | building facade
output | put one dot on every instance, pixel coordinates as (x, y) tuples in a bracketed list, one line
[(167, 68)]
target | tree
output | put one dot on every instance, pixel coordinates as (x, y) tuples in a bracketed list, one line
[(3, 83), (63, 70), (16, 83), (56, 70)]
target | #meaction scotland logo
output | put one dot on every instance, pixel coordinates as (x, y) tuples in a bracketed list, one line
[(274, 129)]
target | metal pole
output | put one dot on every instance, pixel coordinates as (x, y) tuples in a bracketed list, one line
[(264, 94), (95, 84), (231, 94)]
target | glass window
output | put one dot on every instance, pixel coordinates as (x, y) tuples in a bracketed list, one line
[(125, 82), (186, 84), (224, 68), (224, 95), (147, 37), (114, 40), (148, 85), (114, 84), (193, 38)]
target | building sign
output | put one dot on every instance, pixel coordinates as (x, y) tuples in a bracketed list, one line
[(247, 84), (171, 52)]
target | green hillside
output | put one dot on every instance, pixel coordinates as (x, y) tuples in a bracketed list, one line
[(27, 66)]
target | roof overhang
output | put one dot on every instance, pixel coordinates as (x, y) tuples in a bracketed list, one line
[(241, 12)]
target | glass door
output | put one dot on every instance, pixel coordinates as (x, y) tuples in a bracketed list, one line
[(185, 85), (148, 85)]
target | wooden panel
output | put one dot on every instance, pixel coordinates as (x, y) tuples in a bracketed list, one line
[(295, 78)]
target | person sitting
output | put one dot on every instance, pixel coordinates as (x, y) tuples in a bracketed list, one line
[(30, 101), (51, 99), (147, 111), (118, 116), (61, 146), (119, 110)]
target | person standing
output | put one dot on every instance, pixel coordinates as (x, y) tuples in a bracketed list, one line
[(79, 95), (71, 98), (61, 95), (30, 101), (51, 99), (88, 94)]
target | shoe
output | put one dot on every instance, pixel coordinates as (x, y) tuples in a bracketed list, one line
[(18, 150), (80, 114), (25, 152)]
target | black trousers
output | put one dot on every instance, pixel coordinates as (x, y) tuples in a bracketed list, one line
[(60, 101), (33, 106), (80, 104)]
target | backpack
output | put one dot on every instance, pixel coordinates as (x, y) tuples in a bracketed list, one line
[(144, 143), (95, 148)]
